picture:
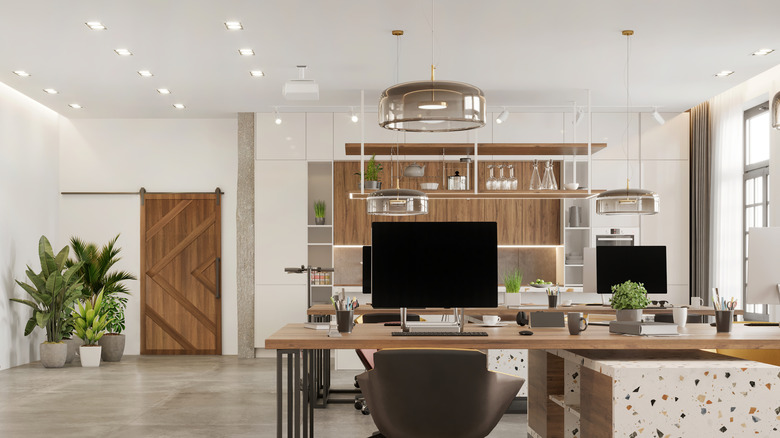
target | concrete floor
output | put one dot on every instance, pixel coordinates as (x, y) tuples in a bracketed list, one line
[(168, 396)]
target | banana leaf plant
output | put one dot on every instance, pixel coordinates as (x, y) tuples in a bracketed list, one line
[(90, 324), (53, 292)]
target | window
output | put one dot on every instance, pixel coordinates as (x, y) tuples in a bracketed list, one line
[(756, 185)]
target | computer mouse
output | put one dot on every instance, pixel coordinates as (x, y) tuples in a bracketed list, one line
[(526, 332)]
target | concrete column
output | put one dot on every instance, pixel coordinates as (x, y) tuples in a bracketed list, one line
[(245, 234)]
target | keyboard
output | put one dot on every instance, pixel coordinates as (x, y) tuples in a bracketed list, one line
[(439, 333)]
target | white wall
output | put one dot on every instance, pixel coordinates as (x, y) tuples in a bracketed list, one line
[(29, 181), (161, 155)]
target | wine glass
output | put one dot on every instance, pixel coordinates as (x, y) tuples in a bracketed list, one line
[(501, 184), (490, 184)]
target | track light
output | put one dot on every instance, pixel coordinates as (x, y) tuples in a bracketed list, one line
[(354, 117), (502, 117), (578, 116), (658, 117), (277, 117)]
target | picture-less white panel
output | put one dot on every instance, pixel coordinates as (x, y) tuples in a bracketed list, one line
[(667, 141), (346, 131), (276, 306), (319, 136), (610, 128), (530, 128), (669, 178), (280, 220), (285, 141)]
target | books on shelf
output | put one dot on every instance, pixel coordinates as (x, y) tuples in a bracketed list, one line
[(642, 328), (321, 278)]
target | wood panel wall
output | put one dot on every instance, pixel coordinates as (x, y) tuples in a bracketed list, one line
[(520, 221)]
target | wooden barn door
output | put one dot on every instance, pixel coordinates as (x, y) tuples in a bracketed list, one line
[(180, 282)]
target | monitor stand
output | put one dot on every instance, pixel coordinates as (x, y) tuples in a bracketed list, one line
[(422, 326)]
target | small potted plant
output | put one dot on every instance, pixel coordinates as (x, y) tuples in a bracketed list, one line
[(371, 175), (319, 212), (628, 299), (90, 324), (512, 282), (53, 292)]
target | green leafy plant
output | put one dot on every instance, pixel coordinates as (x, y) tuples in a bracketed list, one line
[(114, 309), (95, 266), (372, 170), (319, 209), (513, 281), (629, 295), (53, 290), (90, 322)]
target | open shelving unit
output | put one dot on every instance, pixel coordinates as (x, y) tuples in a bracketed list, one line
[(320, 237)]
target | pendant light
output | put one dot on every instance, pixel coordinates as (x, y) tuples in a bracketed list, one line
[(397, 201), (627, 201), (432, 106)]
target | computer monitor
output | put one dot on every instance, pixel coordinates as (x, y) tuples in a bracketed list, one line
[(640, 264), (434, 264), (763, 273), (366, 269)]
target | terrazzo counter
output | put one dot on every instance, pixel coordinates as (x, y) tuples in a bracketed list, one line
[(658, 393)]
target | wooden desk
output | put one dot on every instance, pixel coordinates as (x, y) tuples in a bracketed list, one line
[(297, 343)]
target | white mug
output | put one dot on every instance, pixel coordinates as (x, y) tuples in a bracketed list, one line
[(491, 319), (680, 316), (696, 302)]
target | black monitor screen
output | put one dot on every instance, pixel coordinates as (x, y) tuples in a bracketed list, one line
[(366, 269), (640, 264), (434, 264)]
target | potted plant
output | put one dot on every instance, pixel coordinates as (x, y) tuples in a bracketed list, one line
[(53, 292), (371, 175), (512, 282), (96, 264), (628, 299), (319, 212), (90, 324)]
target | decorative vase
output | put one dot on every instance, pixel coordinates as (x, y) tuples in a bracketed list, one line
[(73, 346), (113, 346), (512, 299), (90, 355), (629, 315), (53, 355), (319, 221)]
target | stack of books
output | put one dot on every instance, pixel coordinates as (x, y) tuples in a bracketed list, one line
[(642, 328)]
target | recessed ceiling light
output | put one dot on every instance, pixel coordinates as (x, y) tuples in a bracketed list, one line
[(74, 105), (762, 52), (246, 52), (233, 25), (163, 91), (145, 73), (178, 105), (123, 52), (95, 25), (21, 73), (724, 73), (257, 73), (50, 90)]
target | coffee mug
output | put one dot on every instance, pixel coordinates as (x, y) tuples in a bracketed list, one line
[(576, 321), (696, 302), (680, 316), (491, 319)]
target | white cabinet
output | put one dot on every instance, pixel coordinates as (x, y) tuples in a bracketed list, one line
[(529, 128), (347, 131), (276, 306), (285, 141), (319, 136), (668, 141)]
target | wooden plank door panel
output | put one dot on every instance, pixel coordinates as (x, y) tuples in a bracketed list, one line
[(180, 303)]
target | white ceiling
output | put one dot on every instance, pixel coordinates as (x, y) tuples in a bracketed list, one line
[(521, 53)]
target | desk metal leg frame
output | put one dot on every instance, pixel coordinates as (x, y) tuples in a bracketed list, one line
[(297, 384)]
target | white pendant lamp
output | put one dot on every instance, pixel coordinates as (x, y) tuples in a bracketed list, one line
[(627, 201), (432, 106)]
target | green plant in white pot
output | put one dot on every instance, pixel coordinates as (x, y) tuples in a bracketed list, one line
[(53, 292), (512, 281), (628, 299), (90, 326)]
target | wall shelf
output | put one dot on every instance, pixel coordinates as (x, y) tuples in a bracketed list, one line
[(519, 194), (468, 148)]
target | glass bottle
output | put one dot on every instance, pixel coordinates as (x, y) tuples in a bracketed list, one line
[(490, 184), (536, 182), (512, 179), (501, 183), (547, 180), (554, 183)]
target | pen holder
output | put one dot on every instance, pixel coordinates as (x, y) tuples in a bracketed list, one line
[(724, 320), (344, 321), (552, 301)]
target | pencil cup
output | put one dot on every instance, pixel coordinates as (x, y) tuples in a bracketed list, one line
[(344, 321), (552, 301), (724, 320)]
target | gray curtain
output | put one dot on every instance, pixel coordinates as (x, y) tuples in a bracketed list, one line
[(700, 160)]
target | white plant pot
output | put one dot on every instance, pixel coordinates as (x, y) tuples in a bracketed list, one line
[(512, 299), (90, 355)]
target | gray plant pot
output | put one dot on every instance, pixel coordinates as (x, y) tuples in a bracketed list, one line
[(372, 185), (53, 355), (73, 347), (319, 221), (629, 315), (113, 347)]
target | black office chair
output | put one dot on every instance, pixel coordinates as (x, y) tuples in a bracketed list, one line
[(436, 393), (366, 356)]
